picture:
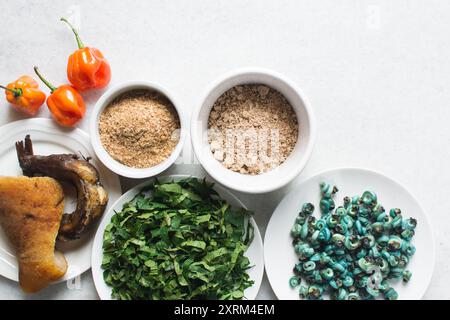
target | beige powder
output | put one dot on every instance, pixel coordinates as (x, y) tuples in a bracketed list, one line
[(139, 128), (252, 129)]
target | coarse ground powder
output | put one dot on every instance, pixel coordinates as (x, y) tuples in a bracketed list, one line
[(252, 129), (139, 128)]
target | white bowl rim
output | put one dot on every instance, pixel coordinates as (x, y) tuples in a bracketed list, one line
[(176, 177), (394, 181), (104, 156), (309, 145)]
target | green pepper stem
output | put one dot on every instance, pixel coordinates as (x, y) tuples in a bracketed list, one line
[(48, 84), (17, 92), (79, 42)]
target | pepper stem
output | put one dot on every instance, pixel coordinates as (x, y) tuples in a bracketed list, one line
[(48, 84), (79, 42), (17, 92)]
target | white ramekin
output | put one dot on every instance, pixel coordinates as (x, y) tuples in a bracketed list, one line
[(279, 176), (104, 156)]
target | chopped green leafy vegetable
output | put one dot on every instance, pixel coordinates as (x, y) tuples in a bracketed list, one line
[(177, 240)]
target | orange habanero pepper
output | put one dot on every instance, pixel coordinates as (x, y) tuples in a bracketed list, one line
[(87, 68), (24, 95), (65, 103)]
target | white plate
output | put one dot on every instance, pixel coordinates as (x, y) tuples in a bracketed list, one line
[(255, 252), (280, 257), (48, 138)]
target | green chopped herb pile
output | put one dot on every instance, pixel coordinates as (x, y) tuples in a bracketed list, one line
[(178, 241)]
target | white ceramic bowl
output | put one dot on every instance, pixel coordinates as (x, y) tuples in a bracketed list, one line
[(280, 256), (254, 252), (101, 152), (277, 177)]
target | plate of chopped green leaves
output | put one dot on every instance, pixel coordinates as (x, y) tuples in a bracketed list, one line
[(178, 237), (349, 234)]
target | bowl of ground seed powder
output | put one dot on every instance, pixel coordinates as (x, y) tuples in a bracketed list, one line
[(137, 130), (253, 131)]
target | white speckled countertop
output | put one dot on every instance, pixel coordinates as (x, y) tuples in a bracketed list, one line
[(376, 73)]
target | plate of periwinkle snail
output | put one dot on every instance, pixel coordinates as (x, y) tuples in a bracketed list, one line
[(349, 234)]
